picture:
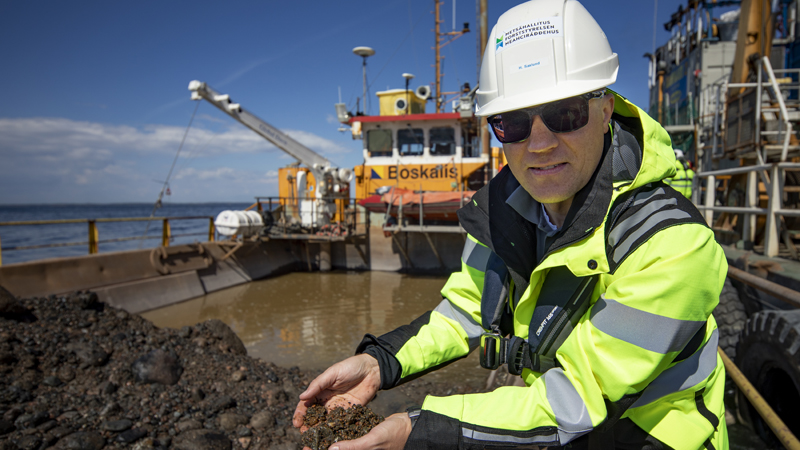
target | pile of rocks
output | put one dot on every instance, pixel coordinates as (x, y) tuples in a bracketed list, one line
[(76, 373)]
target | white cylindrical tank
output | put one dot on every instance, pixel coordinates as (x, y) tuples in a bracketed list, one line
[(345, 175), (240, 223)]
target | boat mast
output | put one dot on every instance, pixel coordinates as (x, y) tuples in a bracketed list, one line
[(438, 44), (483, 24), (437, 91)]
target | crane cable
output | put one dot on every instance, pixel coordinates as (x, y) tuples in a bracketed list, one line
[(166, 182)]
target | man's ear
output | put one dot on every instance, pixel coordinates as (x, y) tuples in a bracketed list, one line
[(608, 109)]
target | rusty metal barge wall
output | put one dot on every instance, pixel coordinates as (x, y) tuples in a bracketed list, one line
[(141, 280)]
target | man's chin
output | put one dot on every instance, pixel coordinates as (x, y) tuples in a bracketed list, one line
[(549, 197)]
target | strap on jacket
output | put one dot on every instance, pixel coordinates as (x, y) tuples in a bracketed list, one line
[(563, 299)]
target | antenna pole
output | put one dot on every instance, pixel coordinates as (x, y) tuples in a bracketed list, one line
[(438, 87), (364, 53), (439, 35), (408, 105), (483, 22), (364, 71)]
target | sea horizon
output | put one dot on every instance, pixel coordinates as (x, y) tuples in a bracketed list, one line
[(16, 240)]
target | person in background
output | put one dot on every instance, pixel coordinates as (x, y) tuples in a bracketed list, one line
[(684, 175), (571, 274)]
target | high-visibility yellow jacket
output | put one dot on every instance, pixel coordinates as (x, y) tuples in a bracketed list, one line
[(682, 181), (648, 340)]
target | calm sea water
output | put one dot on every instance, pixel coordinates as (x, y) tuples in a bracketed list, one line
[(20, 236)]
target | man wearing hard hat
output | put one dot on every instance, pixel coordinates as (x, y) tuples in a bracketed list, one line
[(583, 273), (684, 175)]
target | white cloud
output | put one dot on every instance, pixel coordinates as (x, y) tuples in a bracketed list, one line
[(54, 139), (210, 118), (319, 144), (222, 173), (63, 160)]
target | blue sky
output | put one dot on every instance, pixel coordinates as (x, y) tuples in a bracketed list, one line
[(95, 99)]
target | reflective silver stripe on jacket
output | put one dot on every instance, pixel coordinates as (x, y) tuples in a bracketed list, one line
[(491, 437), (569, 408), (470, 326), (475, 255), (640, 328), (649, 214), (683, 375), (570, 411)]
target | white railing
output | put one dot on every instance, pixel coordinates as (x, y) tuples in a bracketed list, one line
[(773, 176), (712, 113)]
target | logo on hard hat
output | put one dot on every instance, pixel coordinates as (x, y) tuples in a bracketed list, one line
[(548, 27)]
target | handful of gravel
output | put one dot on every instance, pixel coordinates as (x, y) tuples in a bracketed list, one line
[(339, 424)]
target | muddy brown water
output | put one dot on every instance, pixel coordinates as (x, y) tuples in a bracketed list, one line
[(312, 320)]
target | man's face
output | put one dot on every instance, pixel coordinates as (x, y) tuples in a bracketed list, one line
[(553, 167)]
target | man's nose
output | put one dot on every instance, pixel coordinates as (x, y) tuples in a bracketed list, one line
[(541, 139)]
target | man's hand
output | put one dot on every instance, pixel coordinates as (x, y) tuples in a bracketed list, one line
[(352, 381), (391, 434)]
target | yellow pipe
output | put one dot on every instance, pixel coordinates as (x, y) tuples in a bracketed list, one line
[(93, 237), (211, 230), (764, 410), (166, 233)]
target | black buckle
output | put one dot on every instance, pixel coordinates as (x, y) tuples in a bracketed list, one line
[(514, 351), (518, 356), (491, 355)]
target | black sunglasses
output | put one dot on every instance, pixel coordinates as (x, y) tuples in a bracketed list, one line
[(560, 116)]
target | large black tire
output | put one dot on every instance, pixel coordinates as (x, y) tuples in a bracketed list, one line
[(730, 316), (769, 356)]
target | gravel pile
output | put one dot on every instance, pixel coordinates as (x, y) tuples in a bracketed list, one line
[(78, 374)]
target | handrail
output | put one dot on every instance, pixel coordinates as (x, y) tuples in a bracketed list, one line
[(94, 241), (105, 241), (782, 293), (745, 169), (782, 104), (774, 210), (342, 221), (106, 219)]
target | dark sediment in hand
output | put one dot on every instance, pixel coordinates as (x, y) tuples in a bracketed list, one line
[(339, 424)]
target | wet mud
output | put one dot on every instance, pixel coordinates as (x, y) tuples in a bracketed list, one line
[(338, 424)]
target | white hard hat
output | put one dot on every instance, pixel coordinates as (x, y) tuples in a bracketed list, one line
[(541, 51), (678, 153)]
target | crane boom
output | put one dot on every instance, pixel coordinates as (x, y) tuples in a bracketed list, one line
[(305, 155)]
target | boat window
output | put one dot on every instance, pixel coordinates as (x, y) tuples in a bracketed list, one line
[(411, 141), (471, 145), (379, 142), (443, 141)]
